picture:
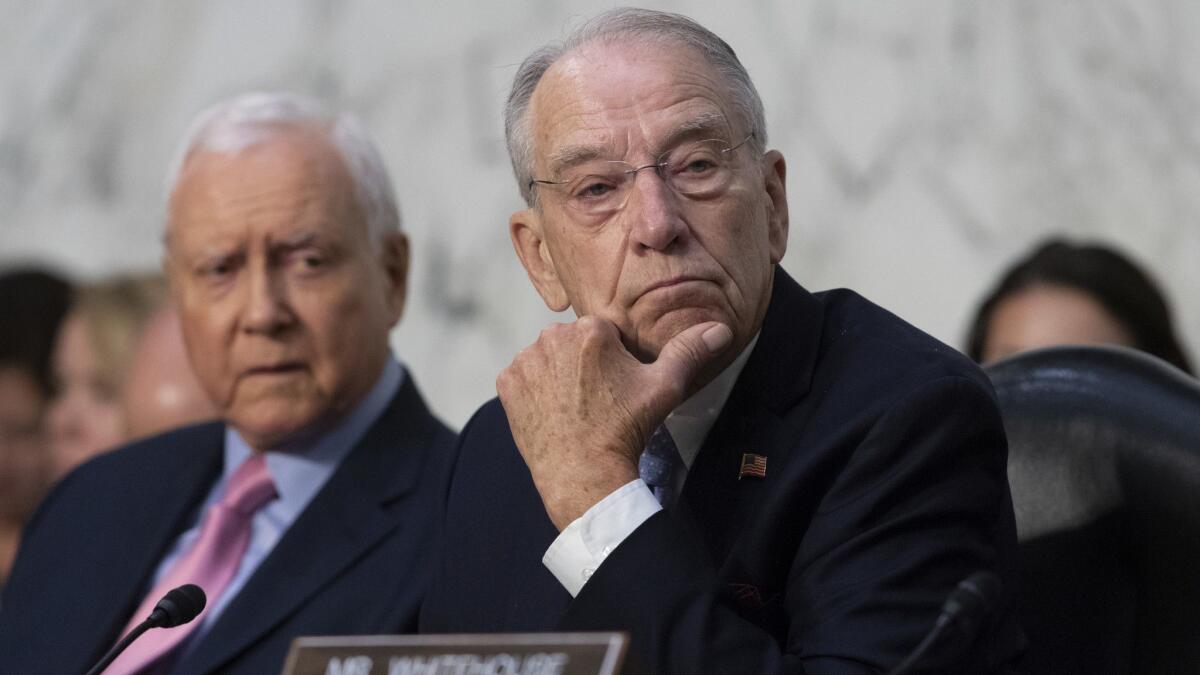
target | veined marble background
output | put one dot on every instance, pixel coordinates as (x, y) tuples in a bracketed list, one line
[(929, 141)]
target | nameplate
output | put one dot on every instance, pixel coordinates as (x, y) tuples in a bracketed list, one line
[(486, 654)]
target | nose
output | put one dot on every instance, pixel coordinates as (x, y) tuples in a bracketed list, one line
[(653, 208), (266, 310)]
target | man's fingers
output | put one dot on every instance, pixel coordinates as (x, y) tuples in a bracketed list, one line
[(717, 338), (686, 354)]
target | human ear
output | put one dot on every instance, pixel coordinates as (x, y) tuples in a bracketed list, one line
[(529, 241), (774, 175), (394, 258)]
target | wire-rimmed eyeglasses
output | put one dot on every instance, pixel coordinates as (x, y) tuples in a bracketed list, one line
[(697, 169)]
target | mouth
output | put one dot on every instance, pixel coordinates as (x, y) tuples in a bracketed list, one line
[(672, 283), (281, 368)]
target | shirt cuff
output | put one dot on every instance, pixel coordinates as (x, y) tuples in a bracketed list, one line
[(587, 541)]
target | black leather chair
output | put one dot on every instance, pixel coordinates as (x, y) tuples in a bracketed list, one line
[(1104, 463)]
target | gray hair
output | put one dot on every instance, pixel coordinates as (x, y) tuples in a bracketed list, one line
[(610, 26), (249, 119)]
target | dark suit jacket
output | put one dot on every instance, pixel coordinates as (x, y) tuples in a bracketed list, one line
[(885, 487), (357, 559)]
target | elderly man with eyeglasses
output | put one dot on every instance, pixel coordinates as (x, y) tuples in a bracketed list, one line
[(745, 476)]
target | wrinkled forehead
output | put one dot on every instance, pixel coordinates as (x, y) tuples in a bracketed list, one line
[(627, 96), (295, 172), (271, 151)]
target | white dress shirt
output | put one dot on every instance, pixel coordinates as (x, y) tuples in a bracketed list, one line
[(584, 544)]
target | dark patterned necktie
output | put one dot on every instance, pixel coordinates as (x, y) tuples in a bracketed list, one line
[(659, 463)]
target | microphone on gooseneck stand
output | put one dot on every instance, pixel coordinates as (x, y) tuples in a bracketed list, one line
[(969, 606), (179, 606)]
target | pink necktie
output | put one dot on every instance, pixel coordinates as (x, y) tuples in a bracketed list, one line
[(210, 563)]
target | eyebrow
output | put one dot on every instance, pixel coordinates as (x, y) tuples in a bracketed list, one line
[(330, 246), (704, 126), (573, 155), (296, 241)]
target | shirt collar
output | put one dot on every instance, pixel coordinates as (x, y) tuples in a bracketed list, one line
[(690, 422), (301, 471)]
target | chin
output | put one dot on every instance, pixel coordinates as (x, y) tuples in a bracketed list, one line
[(674, 322), (268, 425)]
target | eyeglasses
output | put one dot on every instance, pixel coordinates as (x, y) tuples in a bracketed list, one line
[(698, 169)]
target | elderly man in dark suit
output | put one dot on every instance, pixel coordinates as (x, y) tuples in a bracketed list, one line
[(746, 476), (311, 508)]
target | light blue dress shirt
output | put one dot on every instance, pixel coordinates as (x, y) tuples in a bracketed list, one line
[(298, 472)]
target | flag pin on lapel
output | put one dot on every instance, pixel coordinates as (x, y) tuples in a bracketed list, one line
[(753, 465)]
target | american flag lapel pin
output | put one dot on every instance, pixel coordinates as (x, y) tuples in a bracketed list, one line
[(753, 465)]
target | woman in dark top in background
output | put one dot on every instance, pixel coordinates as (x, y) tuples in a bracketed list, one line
[(1065, 293)]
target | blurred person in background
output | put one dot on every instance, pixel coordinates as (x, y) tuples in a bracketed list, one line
[(32, 305), (161, 391), (1071, 294), (92, 355)]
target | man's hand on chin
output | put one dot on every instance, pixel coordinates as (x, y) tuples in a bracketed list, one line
[(581, 407)]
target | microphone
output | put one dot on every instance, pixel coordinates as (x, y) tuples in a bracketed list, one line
[(972, 602), (179, 606)]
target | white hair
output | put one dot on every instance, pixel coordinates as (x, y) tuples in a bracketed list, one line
[(249, 119), (611, 26)]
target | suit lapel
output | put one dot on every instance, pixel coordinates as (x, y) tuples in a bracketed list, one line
[(351, 514), (165, 501), (777, 375)]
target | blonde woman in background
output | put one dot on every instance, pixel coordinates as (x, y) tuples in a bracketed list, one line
[(92, 354), (161, 391)]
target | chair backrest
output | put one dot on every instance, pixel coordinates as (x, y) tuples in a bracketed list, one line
[(1104, 464)]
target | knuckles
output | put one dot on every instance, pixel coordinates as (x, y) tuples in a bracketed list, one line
[(523, 368), (554, 332), (567, 361), (588, 324), (586, 332), (505, 383), (597, 334)]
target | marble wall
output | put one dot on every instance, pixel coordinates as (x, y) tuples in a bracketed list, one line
[(929, 141)]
